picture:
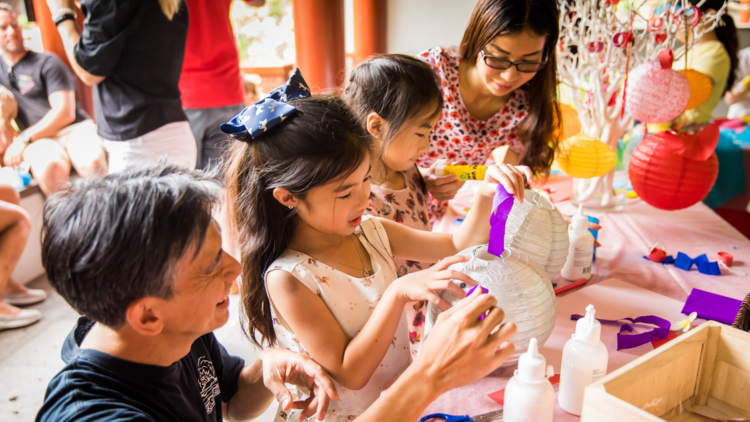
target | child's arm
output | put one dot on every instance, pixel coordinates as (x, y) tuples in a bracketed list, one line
[(352, 363), (420, 245)]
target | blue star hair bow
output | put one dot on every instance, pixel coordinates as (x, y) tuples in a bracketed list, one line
[(257, 119)]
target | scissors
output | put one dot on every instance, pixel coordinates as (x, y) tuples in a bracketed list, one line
[(491, 416)]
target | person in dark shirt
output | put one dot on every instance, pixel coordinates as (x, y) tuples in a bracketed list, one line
[(131, 52), (138, 254), (55, 131)]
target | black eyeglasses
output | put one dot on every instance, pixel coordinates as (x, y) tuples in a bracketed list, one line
[(500, 63), (12, 78)]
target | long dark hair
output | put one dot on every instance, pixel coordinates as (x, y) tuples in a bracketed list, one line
[(321, 143), (491, 18), (397, 87), (726, 32)]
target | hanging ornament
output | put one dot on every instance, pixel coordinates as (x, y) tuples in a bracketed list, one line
[(656, 93), (585, 157), (660, 37), (570, 124), (621, 39), (521, 288), (674, 171), (537, 228), (700, 87)]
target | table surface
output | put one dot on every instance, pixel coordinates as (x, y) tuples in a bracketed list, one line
[(625, 237)]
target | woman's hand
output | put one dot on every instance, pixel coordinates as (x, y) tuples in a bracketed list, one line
[(14, 154), (282, 367), (424, 285), (442, 188), (513, 179), (593, 226)]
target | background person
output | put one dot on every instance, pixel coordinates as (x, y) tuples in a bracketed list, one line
[(736, 97), (55, 131), (132, 53)]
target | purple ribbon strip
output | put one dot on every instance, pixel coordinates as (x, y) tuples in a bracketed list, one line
[(629, 341), (484, 291), (501, 205), (712, 306)]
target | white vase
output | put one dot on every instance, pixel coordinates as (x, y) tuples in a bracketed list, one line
[(537, 228), (521, 287)]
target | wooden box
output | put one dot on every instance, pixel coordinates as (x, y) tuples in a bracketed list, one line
[(706, 369)]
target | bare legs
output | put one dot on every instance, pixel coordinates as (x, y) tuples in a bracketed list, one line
[(15, 226)]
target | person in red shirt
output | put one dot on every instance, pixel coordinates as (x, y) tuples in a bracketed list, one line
[(211, 85)]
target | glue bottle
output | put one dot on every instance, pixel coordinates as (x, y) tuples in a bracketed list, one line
[(462, 172), (529, 397), (584, 360), (581, 252)]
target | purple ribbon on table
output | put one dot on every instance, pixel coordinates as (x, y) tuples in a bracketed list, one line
[(629, 341), (501, 205)]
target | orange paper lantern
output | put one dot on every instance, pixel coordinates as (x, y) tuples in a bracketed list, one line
[(700, 87), (674, 171), (585, 157), (570, 124)]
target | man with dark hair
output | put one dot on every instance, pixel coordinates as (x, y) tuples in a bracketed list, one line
[(138, 254)]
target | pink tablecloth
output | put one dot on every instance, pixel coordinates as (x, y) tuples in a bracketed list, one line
[(625, 238)]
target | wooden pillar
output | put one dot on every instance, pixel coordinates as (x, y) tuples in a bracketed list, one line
[(370, 20), (319, 42), (51, 42)]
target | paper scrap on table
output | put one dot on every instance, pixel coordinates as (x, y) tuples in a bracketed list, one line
[(499, 395), (712, 306)]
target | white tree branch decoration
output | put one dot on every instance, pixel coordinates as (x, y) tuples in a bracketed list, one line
[(593, 61)]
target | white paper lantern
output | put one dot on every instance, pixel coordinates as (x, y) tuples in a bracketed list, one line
[(537, 228), (521, 288)]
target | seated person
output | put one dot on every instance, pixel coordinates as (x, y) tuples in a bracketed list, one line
[(15, 226), (151, 292), (55, 131)]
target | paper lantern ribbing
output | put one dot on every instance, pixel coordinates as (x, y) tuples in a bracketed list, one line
[(667, 176), (656, 93), (585, 157), (521, 288), (700, 88), (537, 228)]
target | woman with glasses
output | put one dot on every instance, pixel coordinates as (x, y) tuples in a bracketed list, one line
[(499, 88)]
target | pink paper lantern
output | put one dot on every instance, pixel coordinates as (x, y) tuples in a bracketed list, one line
[(656, 93)]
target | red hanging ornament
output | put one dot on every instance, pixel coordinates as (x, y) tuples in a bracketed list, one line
[(674, 171)]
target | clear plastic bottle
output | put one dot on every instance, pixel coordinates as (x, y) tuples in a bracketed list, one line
[(529, 397), (584, 361), (581, 252)]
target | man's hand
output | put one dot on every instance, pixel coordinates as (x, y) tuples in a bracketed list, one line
[(56, 5), (14, 154), (442, 188), (283, 366), (461, 349)]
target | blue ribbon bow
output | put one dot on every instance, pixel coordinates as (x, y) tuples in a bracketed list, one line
[(257, 119)]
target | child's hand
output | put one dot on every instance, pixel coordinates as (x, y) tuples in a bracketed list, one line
[(442, 188), (513, 179), (425, 284)]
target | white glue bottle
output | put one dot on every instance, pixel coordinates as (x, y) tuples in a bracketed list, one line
[(529, 397), (584, 361), (581, 252)]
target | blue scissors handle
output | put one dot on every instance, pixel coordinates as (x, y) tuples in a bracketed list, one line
[(446, 418)]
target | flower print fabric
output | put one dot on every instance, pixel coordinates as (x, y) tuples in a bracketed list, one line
[(408, 207), (351, 301), (460, 137)]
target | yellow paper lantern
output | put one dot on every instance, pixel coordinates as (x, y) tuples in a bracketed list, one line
[(585, 157), (570, 125), (700, 88)]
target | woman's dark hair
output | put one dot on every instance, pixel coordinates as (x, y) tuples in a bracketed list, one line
[(491, 18), (397, 87), (726, 32), (321, 143)]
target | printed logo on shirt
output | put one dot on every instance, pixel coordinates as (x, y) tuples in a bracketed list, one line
[(208, 382), (25, 84)]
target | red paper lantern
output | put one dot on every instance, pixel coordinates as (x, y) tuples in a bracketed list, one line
[(674, 171)]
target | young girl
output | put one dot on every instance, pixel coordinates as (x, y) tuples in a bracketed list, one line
[(397, 100), (317, 277), (499, 89)]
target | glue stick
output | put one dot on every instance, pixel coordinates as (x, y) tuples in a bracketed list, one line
[(463, 172), (746, 82)]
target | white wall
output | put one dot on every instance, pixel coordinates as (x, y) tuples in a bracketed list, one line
[(416, 25)]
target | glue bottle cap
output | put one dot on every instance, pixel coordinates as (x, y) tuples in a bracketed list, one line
[(588, 329), (532, 366), (580, 221), (439, 169)]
